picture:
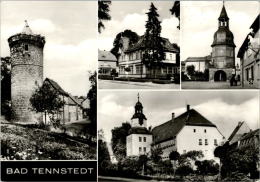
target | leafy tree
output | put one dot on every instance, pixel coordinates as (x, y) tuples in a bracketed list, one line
[(207, 167), (6, 87), (174, 156), (133, 38), (46, 100), (103, 13), (103, 154), (118, 140), (154, 51), (156, 153), (175, 10), (190, 70), (142, 160), (92, 96), (190, 157)]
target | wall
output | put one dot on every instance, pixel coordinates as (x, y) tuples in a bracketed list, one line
[(187, 140), (133, 144)]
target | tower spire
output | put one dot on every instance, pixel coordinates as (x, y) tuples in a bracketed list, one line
[(27, 29), (138, 96)]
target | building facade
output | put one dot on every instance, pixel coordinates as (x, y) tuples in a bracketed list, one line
[(200, 63), (249, 54), (139, 139), (187, 132), (26, 50), (131, 60), (106, 63), (223, 51)]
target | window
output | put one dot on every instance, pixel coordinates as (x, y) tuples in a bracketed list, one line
[(144, 139), (184, 151), (138, 69), (140, 139), (26, 47), (144, 149), (252, 72), (205, 131), (200, 141), (215, 142), (194, 130), (206, 141), (170, 56), (140, 149)]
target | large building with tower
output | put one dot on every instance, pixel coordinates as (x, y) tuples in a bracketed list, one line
[(26, 50), (221, 62)]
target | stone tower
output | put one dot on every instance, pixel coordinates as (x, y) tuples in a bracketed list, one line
[(26, 51), (223, 50)]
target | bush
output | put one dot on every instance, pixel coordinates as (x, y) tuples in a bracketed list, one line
[(162, 81), (105, 77), (132, 79), (184, 170)]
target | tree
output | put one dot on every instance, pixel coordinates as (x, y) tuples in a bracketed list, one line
[(190, 157), (103, 13), (190, 70), (154, 50), (46, 100), (207, 167), (103, 154), (92, 96), (142, 160), (118, 140), (174, 156), (6, 87), (156, 153), (175, 10), (132, 36)]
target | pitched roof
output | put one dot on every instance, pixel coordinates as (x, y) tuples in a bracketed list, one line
[(106, 56), (250, 134), (141, 44), (139, 130), (255, 24), (170, 129), (56, 86)]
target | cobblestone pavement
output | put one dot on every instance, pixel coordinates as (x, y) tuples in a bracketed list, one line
[(208, 85), (111, 84)]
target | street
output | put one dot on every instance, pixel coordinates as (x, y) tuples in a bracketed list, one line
[(111, 84), (207, 85)]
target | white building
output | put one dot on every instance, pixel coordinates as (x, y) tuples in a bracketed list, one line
[(187, 132), (139, 140)]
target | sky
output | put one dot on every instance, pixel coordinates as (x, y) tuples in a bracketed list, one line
[(223, 108), (199, 22), (131, 15), (70, 30)]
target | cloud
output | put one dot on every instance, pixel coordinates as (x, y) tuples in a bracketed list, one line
[(69, 64)]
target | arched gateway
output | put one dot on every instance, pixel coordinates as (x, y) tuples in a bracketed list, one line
[(220, 76)]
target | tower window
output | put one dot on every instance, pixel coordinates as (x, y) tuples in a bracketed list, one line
[(26, 47), (205, 131), (140, 149), (144, 139), (144, 149), (140, 139), (194, 130)]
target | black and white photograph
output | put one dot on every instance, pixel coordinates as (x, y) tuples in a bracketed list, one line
[(138, 45), (220, 45), (48, 80), (178, 135)]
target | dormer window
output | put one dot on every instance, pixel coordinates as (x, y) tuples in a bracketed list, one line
[(26, 47)]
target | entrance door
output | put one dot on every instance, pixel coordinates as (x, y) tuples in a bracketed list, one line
[(220, 76)]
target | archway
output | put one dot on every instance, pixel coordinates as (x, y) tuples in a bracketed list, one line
[(220, 76)]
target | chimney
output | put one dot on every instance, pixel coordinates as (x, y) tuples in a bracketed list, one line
[(188, 107), (173, 116)]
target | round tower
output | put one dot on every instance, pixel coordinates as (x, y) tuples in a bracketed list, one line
[(26, 51), (223, 50)]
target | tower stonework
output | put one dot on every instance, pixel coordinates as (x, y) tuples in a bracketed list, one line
[(26, 51), (223, 51)]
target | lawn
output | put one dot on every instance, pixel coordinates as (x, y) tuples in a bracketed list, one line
[(20, 142)]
